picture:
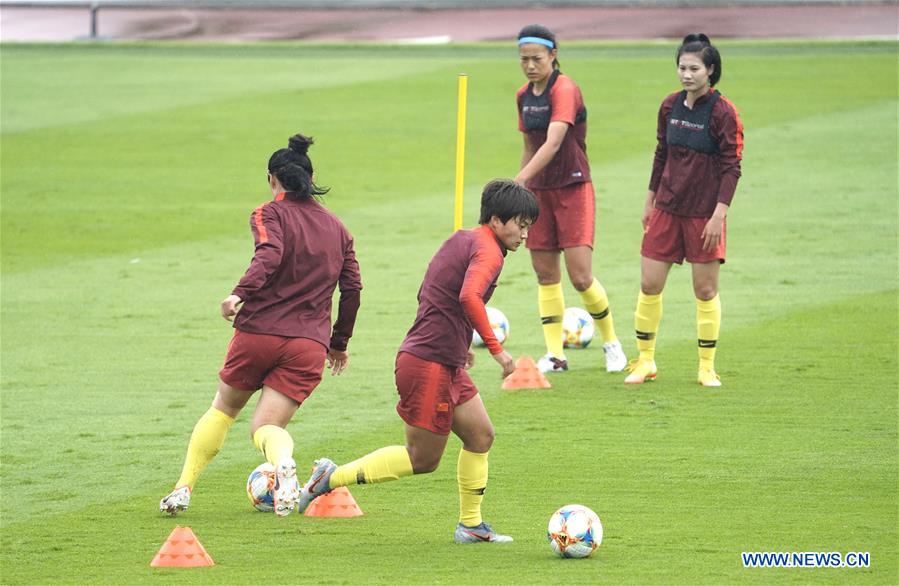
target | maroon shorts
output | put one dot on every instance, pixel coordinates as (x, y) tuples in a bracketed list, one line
[(567, 218), (291, 366), (430, 391), (670, 238)]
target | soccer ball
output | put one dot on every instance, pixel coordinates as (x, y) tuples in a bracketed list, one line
[(498, 323), (260, 485), (577, 328), (574, 531)]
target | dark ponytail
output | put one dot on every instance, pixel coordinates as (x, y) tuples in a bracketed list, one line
[(701, 44), (293, 168), (541, 32)]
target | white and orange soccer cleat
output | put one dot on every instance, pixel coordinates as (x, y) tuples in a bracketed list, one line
[(641, 371), (286, 492), (318, 484), (708, 378), (482, 533)]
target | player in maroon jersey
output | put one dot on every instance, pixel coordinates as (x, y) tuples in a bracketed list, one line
[(282, 318), (694, 176), (436, 394), (553, 122)]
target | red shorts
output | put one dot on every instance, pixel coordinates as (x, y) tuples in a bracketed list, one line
[(670, 238), (567, 218), (430, 391), (291, 366)]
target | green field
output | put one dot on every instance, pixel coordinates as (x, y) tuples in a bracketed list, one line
[(128, 174)]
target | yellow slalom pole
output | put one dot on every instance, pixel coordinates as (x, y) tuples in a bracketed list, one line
[(460, 149)]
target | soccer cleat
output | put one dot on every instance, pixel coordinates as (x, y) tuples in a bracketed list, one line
[(480, 533), (641, 371), (708, 378), (549, 363), (616, 361), (286, 492), (177, 500), (318, 484)]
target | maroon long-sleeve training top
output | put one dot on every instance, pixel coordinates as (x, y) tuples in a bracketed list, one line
[(460, 279), (303, 252), (688, 182)]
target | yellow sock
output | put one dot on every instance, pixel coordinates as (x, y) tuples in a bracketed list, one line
[(390, 463), (471, 474), (647, 317), (274, 442), (205, 442), (551, 302), (597, 303), (708, 324)]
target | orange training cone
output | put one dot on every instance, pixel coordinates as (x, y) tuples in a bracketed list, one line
[(337, 503), (181, 550), (526, 376)]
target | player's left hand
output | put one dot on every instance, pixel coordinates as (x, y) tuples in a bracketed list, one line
[(337, 361), (469, 360), (230, 306), (711, 233)]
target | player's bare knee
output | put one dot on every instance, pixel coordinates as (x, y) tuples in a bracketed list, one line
[(651, 287), (582, 282), (481, 443), (705, 292), (425, 464), (548, 278)]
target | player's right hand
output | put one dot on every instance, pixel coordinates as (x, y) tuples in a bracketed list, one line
[(647, 215), (505, 360)]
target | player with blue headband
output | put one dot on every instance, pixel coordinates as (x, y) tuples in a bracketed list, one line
[(554, 166)]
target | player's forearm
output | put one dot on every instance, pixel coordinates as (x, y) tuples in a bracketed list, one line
[(347, 310)]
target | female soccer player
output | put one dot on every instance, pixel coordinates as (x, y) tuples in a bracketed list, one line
[(282, 326), (694, 176), (436, 395), (553, 120)]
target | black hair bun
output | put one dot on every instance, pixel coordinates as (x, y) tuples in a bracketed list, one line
[(697, 37), (299, 143)]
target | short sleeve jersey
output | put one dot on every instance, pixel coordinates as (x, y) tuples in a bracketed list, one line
[(561, 101), (459, 281), (302, 253)]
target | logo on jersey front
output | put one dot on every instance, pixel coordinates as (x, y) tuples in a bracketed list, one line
[(687, 125)]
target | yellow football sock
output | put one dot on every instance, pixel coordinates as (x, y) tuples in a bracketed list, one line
[(551, 302), (274, 442), (708, 324), (597, 303), (205, 442), (647, 317), (390, 463), (471, 474)]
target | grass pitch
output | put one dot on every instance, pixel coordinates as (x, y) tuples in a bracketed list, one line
[(128, 174)]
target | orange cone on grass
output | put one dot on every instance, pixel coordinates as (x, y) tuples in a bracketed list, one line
[(526, 376), (337, 503), (182, 549)]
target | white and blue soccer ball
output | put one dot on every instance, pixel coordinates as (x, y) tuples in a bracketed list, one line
[(577, 328), (574, 531), (260, 487), (499, 323)]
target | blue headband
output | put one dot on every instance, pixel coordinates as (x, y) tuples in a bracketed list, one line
[(538, 40)]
